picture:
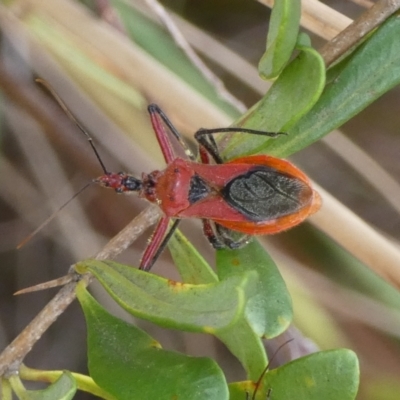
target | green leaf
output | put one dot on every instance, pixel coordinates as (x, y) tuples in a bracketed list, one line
[(246, 346), (130, 364), (364, 76), (64, 388), (202, 308), (292, 95), (269, 309), (191, 265), (327, 375), (303, 40), (282, 35), (193, 268)]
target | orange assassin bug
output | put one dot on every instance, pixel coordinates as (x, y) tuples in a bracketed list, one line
[(251, 195)]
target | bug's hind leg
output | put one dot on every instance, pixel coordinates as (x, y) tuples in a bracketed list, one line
[(232, 239), (222, 238)]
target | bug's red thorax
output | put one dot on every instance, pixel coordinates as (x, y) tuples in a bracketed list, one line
[(169, 188)]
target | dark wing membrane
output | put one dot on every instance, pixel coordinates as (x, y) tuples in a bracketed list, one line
[(198, 189), (264, 194)]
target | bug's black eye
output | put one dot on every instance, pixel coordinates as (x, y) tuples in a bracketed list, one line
[(131, 184)]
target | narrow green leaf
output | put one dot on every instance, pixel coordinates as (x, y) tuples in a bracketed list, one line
[(292, 95), (282, 35), (372, 70), (64, 388), (130, 364), (327, 375), (201, 308)]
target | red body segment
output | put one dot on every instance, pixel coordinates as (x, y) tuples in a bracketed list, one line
[(170, 189)]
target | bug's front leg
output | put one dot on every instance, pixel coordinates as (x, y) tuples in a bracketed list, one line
[(158, 242)]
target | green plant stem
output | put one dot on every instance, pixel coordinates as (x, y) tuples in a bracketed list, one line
[(84, 382)]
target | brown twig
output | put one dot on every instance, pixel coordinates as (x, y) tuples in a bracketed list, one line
[(12, 356), (357, 30)]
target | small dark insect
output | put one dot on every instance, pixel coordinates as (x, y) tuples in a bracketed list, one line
[(252, 195)]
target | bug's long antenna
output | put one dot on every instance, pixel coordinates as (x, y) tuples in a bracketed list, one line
[(258, 383), (43, 224), (72, 118)]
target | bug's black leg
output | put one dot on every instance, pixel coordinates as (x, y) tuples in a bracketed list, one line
[(204, 138), (211, 235), (222, 238), (231, 239), (208, 142), (155, 109)]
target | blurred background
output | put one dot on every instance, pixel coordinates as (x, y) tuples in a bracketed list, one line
[(108, 60)]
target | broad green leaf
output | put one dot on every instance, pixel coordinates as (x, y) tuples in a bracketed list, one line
[(193, 268), (327, 375), (269, 309), (246, 346), (364, 76), (201, 308), (282, 35), (292, 95), (191, 265), (63, 388), (130, 365)]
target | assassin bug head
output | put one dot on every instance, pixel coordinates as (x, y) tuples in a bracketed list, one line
[(120, 182)]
